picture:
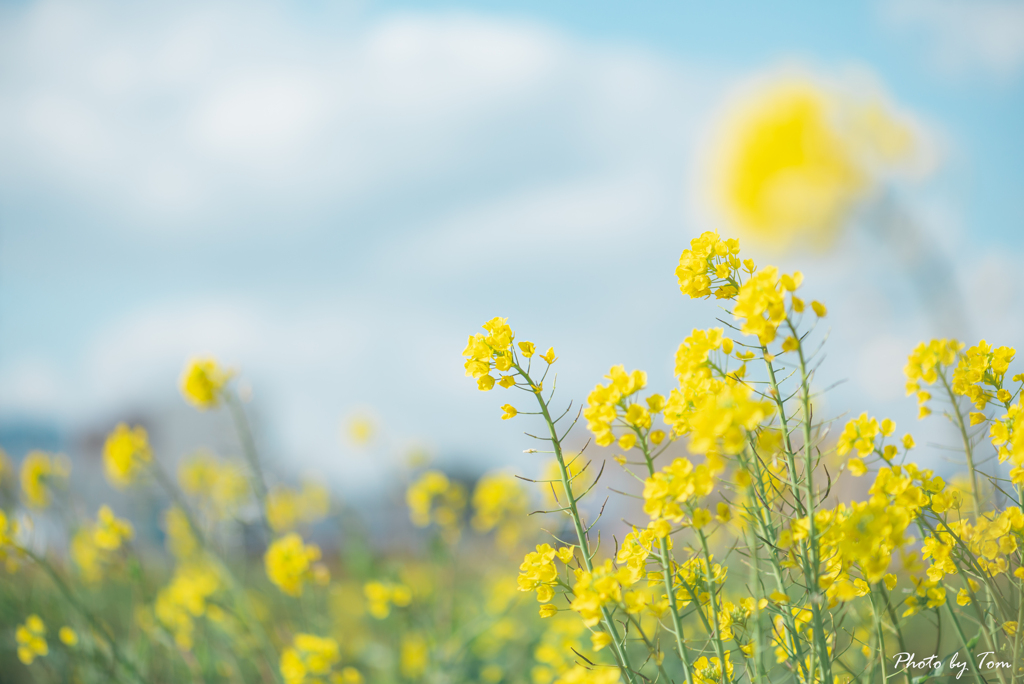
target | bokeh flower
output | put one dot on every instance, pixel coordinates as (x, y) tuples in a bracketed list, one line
[(124, 454), (793, 157)]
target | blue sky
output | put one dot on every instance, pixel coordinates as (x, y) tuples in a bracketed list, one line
[(332, 196)]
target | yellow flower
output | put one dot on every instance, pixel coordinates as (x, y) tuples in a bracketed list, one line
[(924, 365), (606, 402), (124, 453), (203, 381), (220, 486), (509, 411), (979, 374), (527, 348), (435, 498), (38, 471), (8, 548), (859, 434), (311, 659), (111, 531), (492, 350), (413, 656), (761, 303), (710, 671), (710, 265), (31, 639), (856, 467), (380, 596), (499, 501), (360, 429), (290, 563), (68, 636), (181, 539), (793, 158), (549, 356), (186, 598), (599, 640)]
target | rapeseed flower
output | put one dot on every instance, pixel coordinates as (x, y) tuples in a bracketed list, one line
[(31, 640), (125, 453), (380, 596), (38, 472), (794, 158), (499, 501), (314, 659), (290, 563), (186, 598), (221, 487), (414, 655), (203, 382), (435, 498)]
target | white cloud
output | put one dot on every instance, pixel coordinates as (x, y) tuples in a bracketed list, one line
[(967, 35), (206, 117)]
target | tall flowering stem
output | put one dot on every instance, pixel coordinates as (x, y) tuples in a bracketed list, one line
[(572, 509), (666, 568)]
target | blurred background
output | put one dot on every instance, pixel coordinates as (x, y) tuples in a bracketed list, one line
[(330, 196)]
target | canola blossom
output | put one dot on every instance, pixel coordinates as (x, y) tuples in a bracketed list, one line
[(756, 484), (760, 541)]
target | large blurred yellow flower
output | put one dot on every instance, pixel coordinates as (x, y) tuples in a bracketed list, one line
[(793, 158)]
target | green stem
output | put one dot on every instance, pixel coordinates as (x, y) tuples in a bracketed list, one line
[(968, 449), (719, 646), (581, 535), (666, 568), (97, 626), (259, 483), (881, 638), (963, 638), (812, 560), (270, 655)]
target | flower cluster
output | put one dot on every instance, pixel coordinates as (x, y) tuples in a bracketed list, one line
[(290, 563), (311, 659), (288, 507), (8, 547), (600, 588), (499, 502), (538, 573), (435, 498), (186, 598), (669, 492), (203, 382), (924, 366), (979, 374), (92, 546), (492, 350), (31, 639), (380, 596), (615, 400), (39, 473), (219, 487), (711, 265), (125, 452)]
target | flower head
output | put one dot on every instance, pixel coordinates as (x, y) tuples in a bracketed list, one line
[(290, 563), (38, 472), (203, 381), (124, 453)]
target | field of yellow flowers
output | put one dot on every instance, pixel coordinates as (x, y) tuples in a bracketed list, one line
[(769, 545)]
